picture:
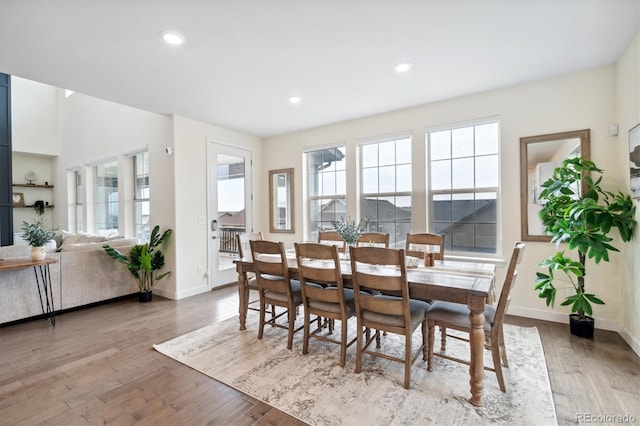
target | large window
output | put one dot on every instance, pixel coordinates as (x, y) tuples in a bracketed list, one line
[(106, 198), (326, 187), (386, 187), (141, 195), (79, 197), (463, 177)]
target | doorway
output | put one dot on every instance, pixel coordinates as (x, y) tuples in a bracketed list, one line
[(230, 195)]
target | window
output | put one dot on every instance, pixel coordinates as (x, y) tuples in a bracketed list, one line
[(79, 197), (386, 187), (463, 177), (106, 197), (327, 187), (141, 195)]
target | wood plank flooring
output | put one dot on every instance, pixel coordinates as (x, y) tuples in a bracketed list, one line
[(97, 366)]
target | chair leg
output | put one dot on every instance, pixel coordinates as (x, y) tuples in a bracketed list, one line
[(263, 307), (503, 349), (432, 330), (424, 340), (343, 342), (292, 321), (359, 347), (307, 326), (495, 353), (407, 360), (377, 339), (443, 338)]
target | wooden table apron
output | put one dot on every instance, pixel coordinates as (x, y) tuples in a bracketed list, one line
[(43, 277), (436, 284)]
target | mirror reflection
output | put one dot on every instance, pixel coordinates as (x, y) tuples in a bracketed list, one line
[(281, 200), (539, 156)]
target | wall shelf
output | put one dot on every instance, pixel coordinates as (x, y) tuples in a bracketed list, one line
[(26, 185)]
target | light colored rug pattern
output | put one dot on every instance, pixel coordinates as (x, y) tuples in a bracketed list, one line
[(316, 390)]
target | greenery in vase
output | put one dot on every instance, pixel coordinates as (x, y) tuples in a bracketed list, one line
[(584, 221), (144, 260), (36, 234), (349, 230)]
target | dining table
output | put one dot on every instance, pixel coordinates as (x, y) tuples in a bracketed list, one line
[(469, 283)]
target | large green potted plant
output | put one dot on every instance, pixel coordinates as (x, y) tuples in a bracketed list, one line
[(144, 262), (37, 236), (582, 217)]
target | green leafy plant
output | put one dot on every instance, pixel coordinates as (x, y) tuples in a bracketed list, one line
[(144, 260), (349, 230), (36, 234), (584, 220)]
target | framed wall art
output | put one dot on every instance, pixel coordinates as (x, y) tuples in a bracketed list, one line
[(18, 199)]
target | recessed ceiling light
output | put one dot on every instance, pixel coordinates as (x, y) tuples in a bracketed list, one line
[(295, 99), (172, 37), (403, 67)]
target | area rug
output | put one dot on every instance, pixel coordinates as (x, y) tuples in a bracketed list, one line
[(316, 390)]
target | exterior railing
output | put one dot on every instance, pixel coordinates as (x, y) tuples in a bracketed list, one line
[(228, 241)]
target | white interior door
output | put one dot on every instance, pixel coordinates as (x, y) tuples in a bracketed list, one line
[(229, 171)]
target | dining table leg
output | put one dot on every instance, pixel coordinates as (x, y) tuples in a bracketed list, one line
[(476, 343), (243, 296)]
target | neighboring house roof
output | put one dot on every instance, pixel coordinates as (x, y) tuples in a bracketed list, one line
[(232, 219)]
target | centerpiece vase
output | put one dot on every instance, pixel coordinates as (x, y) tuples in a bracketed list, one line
[(38, 253)]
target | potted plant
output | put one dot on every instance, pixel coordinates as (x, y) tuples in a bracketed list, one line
[(583, 218), (144, 261), (36, 235), (349, 230)]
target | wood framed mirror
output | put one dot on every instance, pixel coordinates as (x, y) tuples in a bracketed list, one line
[(281, 204), (539, 156)]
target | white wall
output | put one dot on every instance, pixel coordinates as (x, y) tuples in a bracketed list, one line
[(190, 156), (570, 102), (628, 111)]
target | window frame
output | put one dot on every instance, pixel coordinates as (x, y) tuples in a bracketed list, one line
[(363, 196), (141, 231), (97, 203), (432, 193)]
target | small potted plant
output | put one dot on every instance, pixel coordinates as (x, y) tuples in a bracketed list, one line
[(349, 230), (36, 235), (144, 261), (583, 220)]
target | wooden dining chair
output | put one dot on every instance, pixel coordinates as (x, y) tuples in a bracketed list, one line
[(245, 250), (320, 264), (332, 238), (456, 316), (375, 239), (382, 270), (418, 244), (275, 286)]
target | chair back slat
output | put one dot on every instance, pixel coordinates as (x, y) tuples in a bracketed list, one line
[(243, 242), (270, 264), (319, 264), (420, 243), (332, 238), (509, 281), (374, 239)]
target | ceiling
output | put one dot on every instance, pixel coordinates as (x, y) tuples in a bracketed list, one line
[(242, 60)]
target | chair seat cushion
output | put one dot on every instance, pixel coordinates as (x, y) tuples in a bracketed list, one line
[(458, 314), (252, 283), (335, 307), (417, 310), (295, 289)]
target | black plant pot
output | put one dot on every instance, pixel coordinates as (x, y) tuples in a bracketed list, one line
[(581, 328), (145, 297)]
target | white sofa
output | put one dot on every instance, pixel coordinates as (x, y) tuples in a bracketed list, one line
[(84, 274)]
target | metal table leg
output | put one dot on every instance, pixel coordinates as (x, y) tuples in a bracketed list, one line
[(43, 278)]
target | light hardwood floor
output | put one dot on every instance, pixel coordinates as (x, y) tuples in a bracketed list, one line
[(97, 366)]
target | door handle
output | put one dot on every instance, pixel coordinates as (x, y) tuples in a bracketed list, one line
[(214, 225)]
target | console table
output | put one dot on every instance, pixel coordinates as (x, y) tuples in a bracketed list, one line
[(43, 280)]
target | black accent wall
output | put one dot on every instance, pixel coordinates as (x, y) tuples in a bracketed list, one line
[(6, 192)]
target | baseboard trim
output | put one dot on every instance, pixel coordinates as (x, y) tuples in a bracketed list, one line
[(560, 317)]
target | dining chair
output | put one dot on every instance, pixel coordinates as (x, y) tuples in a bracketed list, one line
[(320, 264), (418, 244), (275, 287), (245, 250), (332, 238), (375, 239), (382, 270), (456, 316)]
